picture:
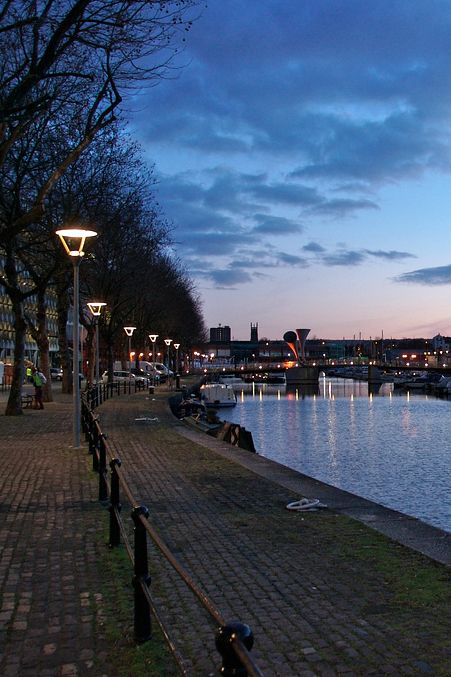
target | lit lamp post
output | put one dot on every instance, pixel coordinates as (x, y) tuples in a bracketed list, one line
[(168, 343), (177, 375), (176, 346), (96, 308), (73, 240), (129, 331), (153, 338)]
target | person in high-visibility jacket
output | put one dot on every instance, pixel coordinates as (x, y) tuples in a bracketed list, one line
[(38, 381)]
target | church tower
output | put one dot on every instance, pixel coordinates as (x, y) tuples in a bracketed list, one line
[(254, 332)]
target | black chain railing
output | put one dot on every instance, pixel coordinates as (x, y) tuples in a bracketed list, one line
[(233, 640)]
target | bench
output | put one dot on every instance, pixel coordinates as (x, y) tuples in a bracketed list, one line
[(27, 400)]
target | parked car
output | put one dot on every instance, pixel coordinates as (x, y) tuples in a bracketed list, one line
[(141, 375), (162, 369), (56, 373), (125, 376), (155, 371)]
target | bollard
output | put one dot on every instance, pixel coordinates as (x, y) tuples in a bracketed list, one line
[(231, 664), (142, 623), (103, 489), (115, 532)]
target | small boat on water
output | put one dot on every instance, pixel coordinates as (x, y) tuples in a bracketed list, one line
[(217, 395)]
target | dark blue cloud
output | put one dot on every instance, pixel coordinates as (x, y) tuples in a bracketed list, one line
[(391, 255), (230, 277), (313, 247), (275, 225), (344, 258), (440, 275)]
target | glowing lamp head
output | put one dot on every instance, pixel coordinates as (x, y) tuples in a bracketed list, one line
[(129, 330), (96, 307), (153, 337), (73, 240), (168, 342)]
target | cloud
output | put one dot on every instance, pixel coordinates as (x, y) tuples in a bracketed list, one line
[(214, 244), (344, 258), (293, 114), (391, 255), (229, 277), (341, 207), (275, 225), (269, 259), (440, 275), (313, 247)]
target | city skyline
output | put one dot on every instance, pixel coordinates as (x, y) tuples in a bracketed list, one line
[(302, 154)]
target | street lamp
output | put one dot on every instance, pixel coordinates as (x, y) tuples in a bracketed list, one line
[(129, 331), (96, 308), (73, 241), (176, 346), (153, 338), (168, 343)]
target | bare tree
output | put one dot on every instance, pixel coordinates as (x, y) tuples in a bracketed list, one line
[(64, 70)]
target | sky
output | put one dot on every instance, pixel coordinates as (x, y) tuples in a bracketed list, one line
[(303, 154)]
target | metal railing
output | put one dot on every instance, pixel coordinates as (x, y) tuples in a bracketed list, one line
[(97, 393), (233, 640)]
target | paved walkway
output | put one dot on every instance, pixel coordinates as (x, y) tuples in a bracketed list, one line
[(323, 594)]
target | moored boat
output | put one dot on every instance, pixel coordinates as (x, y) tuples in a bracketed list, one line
[(217, 395)]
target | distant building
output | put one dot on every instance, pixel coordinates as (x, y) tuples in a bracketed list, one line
[(220, 334)]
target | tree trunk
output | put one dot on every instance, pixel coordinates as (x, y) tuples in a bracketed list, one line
[(14, 404), (40, 335), (90, 352), (66, 362)]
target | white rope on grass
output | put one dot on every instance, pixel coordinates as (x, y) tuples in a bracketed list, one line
[(305, 504)]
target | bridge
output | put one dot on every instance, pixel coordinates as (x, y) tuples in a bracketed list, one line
[(309, 372)]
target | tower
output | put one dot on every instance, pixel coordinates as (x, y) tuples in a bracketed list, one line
[(254, 332)]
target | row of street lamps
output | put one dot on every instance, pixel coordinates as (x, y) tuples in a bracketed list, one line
[(73, 241), (153, 337)]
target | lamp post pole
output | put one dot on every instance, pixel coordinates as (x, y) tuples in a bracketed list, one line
[(75, 354), (168, 342), (177, 375), (176, 346), (96, 307), (153, 338), (129, 331), (73, 241)]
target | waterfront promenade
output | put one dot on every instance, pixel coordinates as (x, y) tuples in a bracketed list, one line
[(324, 594)]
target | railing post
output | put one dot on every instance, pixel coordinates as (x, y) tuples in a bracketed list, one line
[(231, 664), (90, 437), (103, 489), (84, 420), (142, 623), (94, 399), (94, 444), (115, 506)]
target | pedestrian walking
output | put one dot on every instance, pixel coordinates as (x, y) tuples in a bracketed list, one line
[(39, 380)]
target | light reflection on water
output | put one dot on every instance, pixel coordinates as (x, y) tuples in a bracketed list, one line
[(391, 448)]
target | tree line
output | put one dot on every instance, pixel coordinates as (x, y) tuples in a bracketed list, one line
[(66, 67)]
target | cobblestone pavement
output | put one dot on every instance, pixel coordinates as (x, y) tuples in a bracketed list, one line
[(323, 594), (51, 600)]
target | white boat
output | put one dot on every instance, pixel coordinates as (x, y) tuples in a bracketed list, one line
[(217, 395)]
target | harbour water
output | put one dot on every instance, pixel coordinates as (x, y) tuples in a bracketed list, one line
[(393, 448)]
